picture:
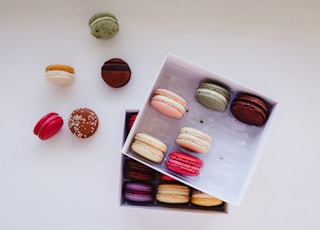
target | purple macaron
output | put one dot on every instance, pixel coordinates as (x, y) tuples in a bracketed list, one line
[(138, 192)]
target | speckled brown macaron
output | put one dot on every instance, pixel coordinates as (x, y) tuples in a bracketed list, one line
[(116, 72), (83, 122)]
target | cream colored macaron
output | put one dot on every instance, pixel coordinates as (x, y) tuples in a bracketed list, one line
[(194, 140), (173, 193), (149, 147), (59, 74)]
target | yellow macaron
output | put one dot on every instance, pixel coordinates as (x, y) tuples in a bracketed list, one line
[(149, 147), (173, 193)]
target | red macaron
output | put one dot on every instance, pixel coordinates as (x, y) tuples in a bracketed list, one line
[(48, 126), (184, 164)]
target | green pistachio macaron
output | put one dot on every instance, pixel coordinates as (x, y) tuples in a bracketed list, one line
[(103, 25), (213, 96)]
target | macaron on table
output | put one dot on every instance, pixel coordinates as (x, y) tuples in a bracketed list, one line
[(235, 138)]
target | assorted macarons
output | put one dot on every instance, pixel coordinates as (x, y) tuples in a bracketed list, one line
[(143, 186), (169, 103), (103, 25), (139, 187)]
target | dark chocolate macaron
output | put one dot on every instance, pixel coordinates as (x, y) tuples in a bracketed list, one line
[(250, 109), (116, 72), (137, 171)]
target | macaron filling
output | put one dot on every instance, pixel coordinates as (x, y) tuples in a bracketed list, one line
[(213, 93), (102, 19)]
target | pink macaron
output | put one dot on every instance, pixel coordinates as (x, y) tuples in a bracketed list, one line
[(184, 164), (48, 126), (169, 103)]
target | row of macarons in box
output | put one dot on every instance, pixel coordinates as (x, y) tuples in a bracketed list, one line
[(246, 108), (162, 188), (185, 160), (144, 186)]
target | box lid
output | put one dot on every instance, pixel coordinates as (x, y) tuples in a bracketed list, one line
[(236, 148)]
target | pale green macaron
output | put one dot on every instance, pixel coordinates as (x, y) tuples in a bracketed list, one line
[(213, 96), (103, 25)]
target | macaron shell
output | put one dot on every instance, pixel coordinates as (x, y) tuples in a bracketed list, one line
[(186, 158), (61, 67), (254, 100), (59, 77)]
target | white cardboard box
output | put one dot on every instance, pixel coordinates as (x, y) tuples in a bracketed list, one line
[(236, 148)]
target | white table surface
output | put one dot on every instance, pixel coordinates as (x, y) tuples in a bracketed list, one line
[(67, 183)]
